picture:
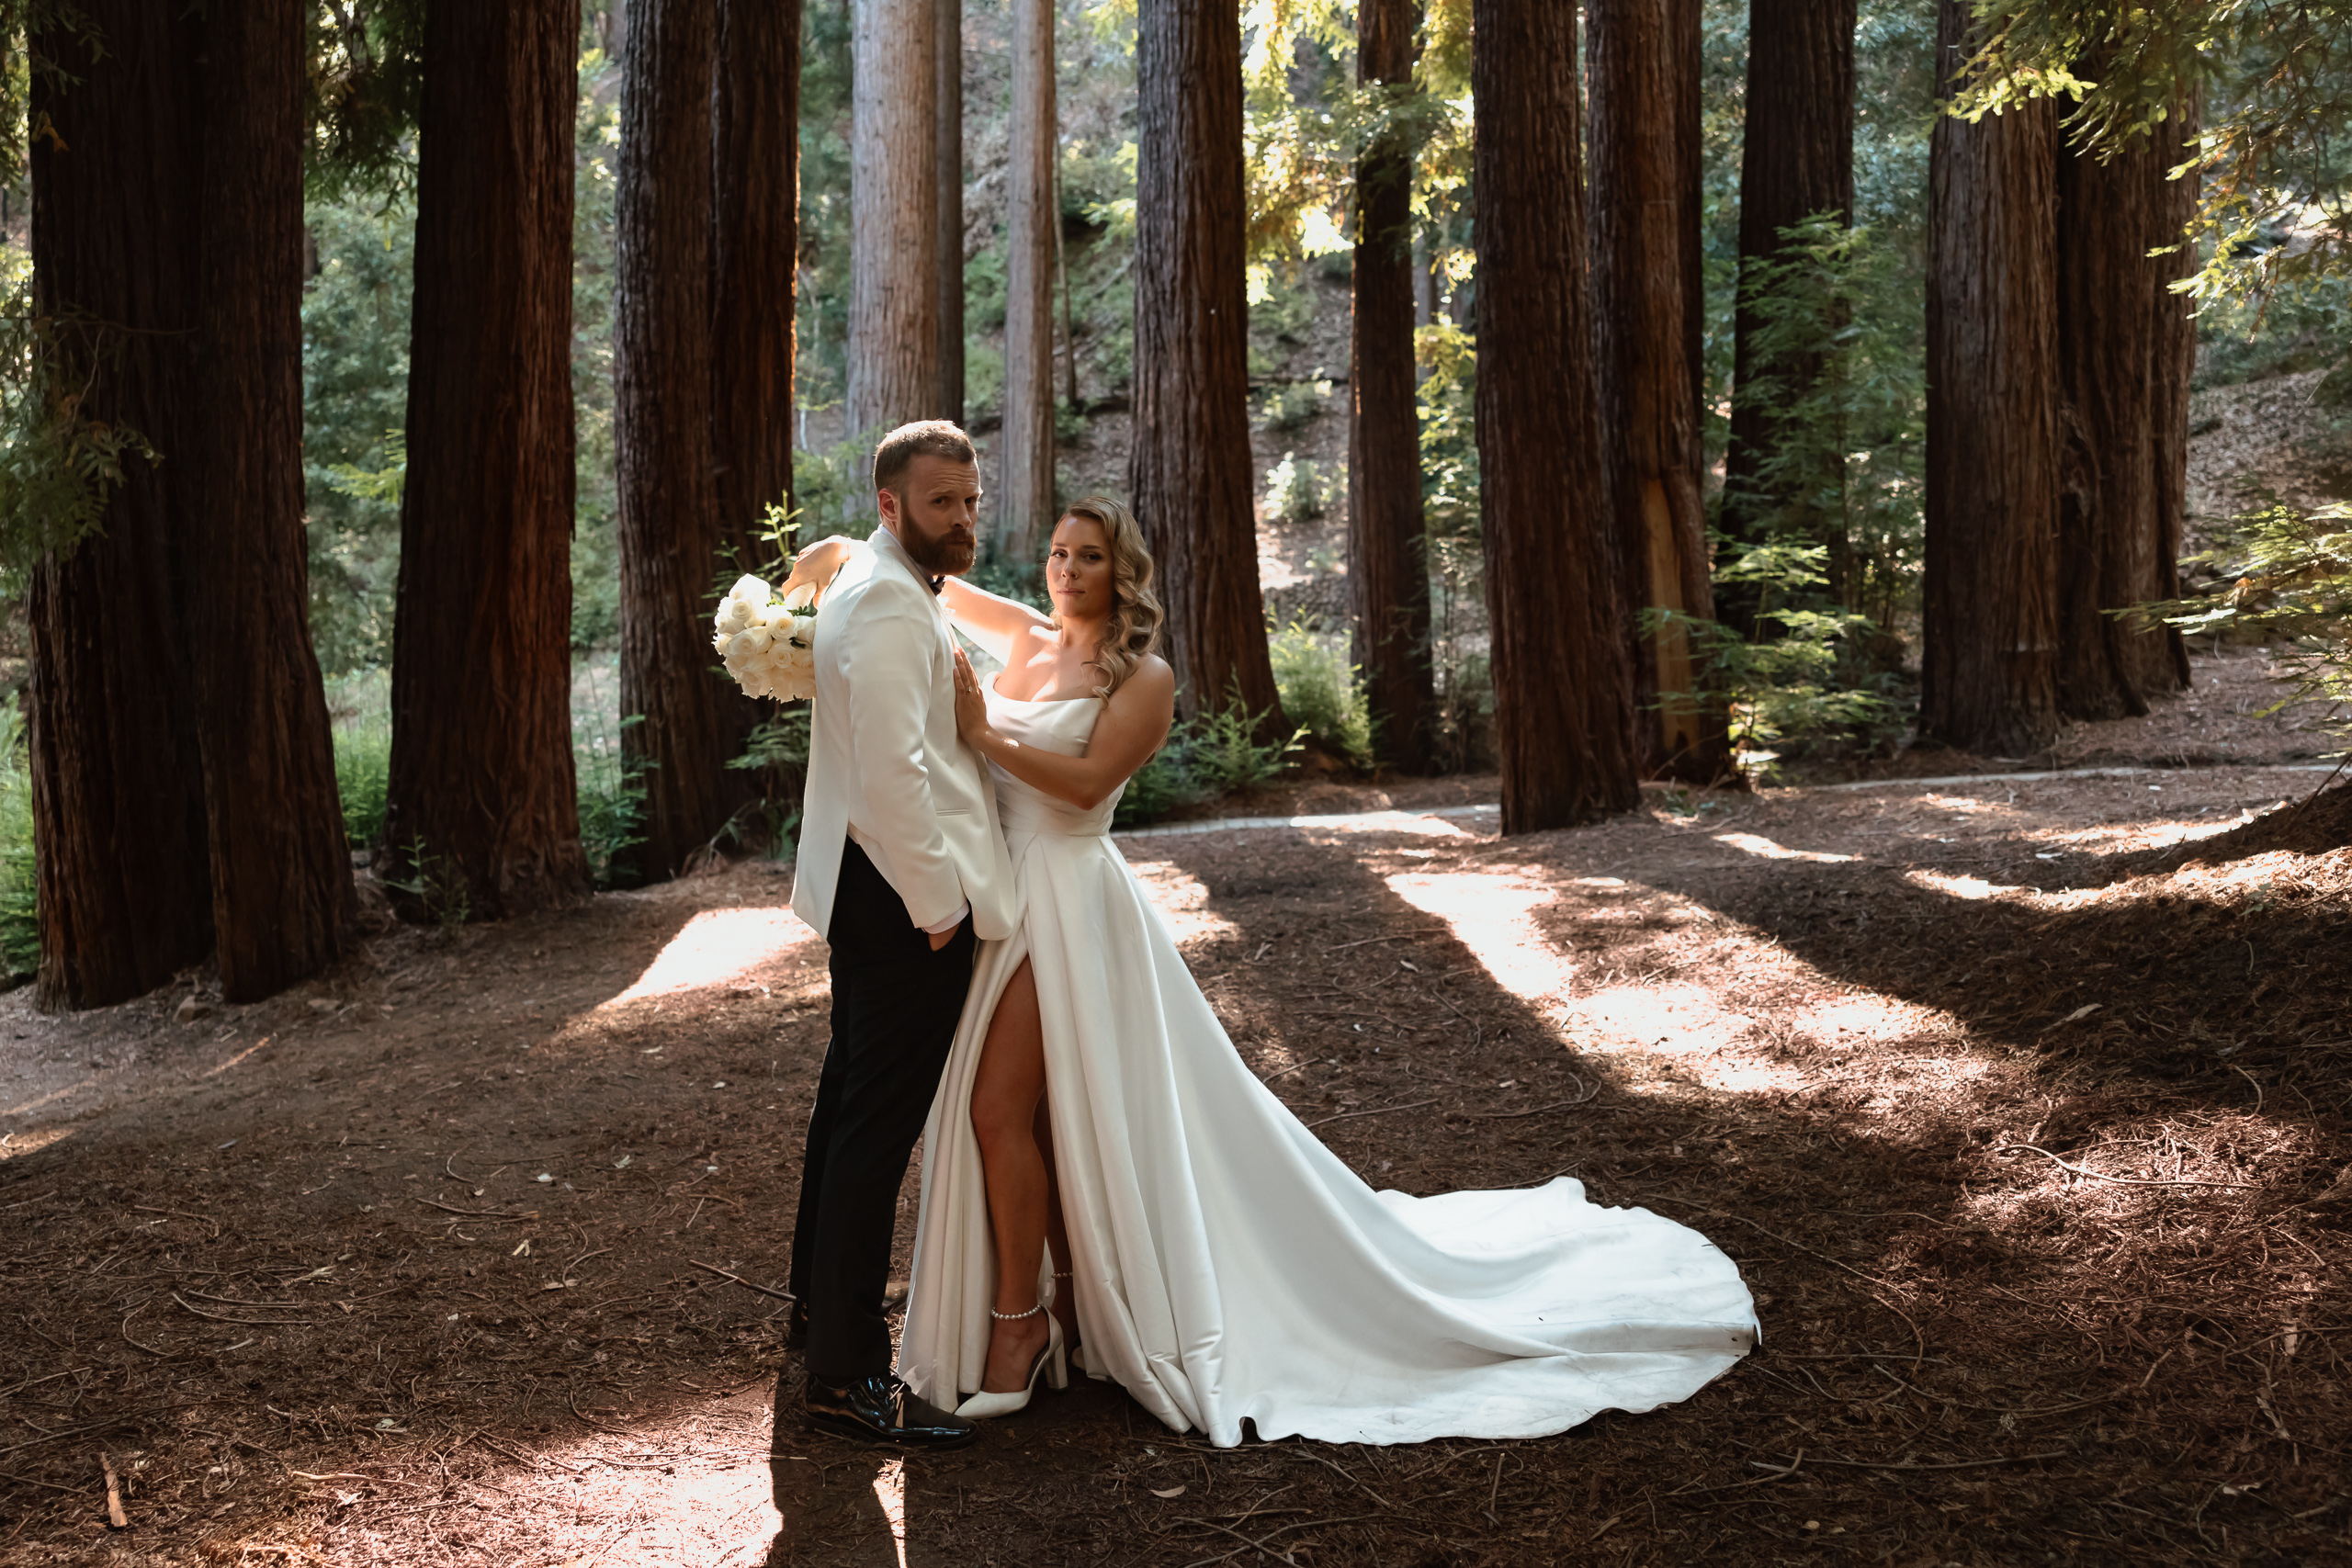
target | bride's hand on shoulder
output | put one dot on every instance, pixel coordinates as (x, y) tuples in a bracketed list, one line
[(971, 705), (816, 565)]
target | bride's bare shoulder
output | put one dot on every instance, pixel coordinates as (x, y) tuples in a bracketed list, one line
[(1152, 682)]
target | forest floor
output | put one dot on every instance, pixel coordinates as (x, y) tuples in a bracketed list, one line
[(2023, 1105)]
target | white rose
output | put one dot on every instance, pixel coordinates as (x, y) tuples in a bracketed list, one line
[(753, 589), (751, 642), (804, 631), (801, 597), (794, 668), (732, 617)]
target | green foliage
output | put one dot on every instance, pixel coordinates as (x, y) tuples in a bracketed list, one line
[(1463, 728), (366, 84), (1213, 754), (433, 885), (1299, 488), (1321, 692), (78, 43), (1807, 683), (2291, 574), (777, 752), (1000, 573), (2276, 82), (1161, 786), (834, 489), (595, 536), (1846, 467), (359, 709), (611, 788), (57, 464), (19, 876), (2299, 324), (354, 408)]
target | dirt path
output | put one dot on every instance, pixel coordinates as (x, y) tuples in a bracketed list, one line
[(2035, 1158)]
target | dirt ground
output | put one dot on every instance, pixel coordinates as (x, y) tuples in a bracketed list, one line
[(2022, 1104)]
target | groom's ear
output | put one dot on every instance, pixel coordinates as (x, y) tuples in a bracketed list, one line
[(888, 501)]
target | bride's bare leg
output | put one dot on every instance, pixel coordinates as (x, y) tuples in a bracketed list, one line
[(1056, 1231), (1006, 1092)]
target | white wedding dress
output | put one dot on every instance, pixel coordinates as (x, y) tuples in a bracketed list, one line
[(1229, 1266)]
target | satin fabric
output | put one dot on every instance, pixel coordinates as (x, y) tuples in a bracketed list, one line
[(1229, 1266)]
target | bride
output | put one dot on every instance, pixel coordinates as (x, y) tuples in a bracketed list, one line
[(1103, 1171)]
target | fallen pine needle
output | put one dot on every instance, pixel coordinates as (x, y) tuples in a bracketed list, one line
[(737, 1279), (254, 1322), (1376, 1111), (2118, 1181)]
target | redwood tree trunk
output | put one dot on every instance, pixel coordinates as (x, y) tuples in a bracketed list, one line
[(1563, 709), (894, 215), (482, 800), (1796, 159), (1989, 659), (1387, 557), (755, 229), (282, 896), (1031, 222), (118, 814), (755, 239), (1189, 474), (1642, 77), (947, 70), (670, 521), (2125, 344)]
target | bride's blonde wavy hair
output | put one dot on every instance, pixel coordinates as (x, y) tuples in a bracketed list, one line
[(1136, 614)]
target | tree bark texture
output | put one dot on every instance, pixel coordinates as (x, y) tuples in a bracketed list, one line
[(1190, 472), (118, 814), (947, 67), (2125, 349), (1989, 658), (1796, 159), (1388, 572), (894, 215), (481, 803), (1032, 220), (1642, 75), (1563, 706), (282, 896), (669, 524), (755, 242)]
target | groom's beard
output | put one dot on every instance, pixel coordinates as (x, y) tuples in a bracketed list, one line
[(948, 555)]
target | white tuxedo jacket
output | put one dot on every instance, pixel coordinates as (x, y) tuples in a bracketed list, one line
[(884, 757)]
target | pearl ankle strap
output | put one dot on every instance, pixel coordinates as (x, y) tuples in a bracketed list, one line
[(1016, 1316)]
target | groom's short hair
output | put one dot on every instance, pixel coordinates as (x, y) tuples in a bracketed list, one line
[(923, 438)]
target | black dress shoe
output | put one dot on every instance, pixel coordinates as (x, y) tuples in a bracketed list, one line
[(881, 1408)]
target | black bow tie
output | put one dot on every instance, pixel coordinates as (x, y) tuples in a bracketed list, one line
[(937, 583)]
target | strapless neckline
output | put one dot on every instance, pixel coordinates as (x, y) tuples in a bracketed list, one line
[(998, 693)]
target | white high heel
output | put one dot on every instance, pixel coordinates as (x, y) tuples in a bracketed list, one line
[(1050, 1364)]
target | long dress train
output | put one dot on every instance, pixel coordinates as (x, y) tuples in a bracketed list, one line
[(1231, 1267)]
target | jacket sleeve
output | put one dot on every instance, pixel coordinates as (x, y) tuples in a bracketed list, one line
[(885, 656)]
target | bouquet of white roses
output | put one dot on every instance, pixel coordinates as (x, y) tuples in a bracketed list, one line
[(769, 644)]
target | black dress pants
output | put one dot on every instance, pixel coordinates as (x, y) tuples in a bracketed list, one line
[(895, 1006)]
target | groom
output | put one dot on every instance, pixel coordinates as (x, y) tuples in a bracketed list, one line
[(902, 870)]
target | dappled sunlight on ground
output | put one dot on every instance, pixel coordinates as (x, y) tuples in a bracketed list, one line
[(719, 947), (1182, 900), (1756, 844), (1492, 914)]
